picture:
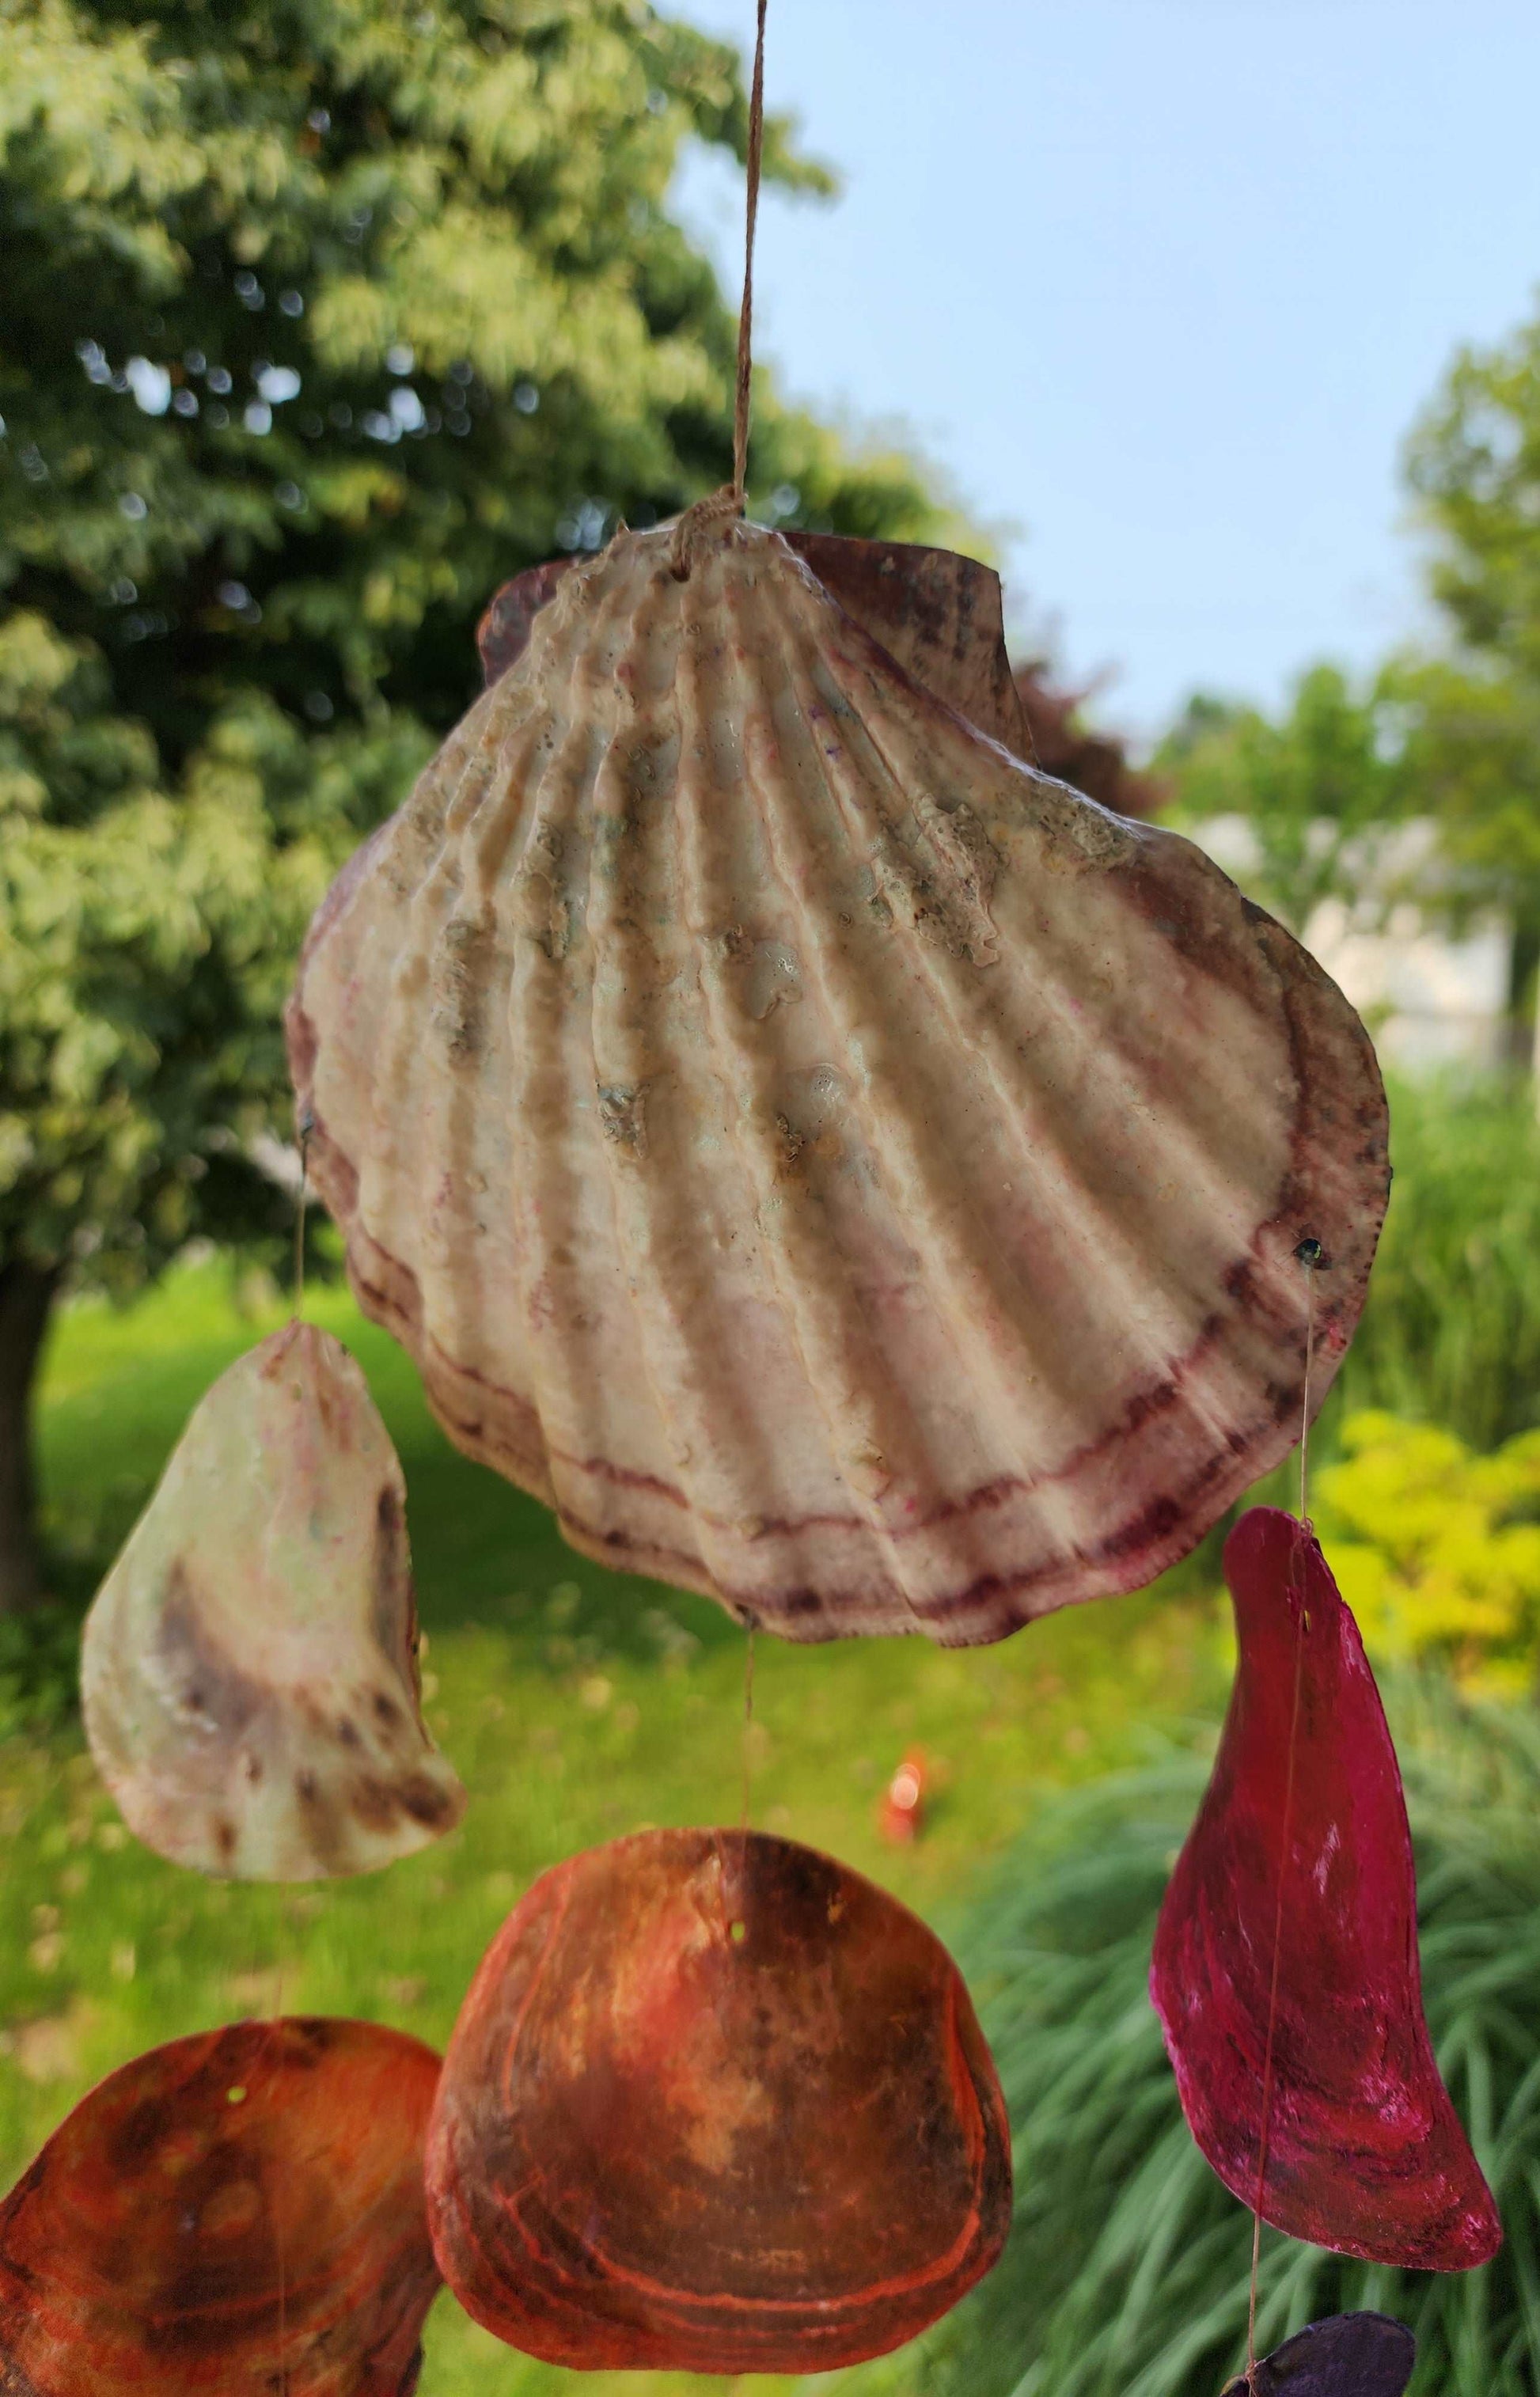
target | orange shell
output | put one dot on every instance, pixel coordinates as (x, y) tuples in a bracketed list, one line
[(235, 2211), (714, 2104)]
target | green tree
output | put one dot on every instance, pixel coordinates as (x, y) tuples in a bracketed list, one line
[(1316, 786), (1453, 737), (1474, 463), (323, 317)]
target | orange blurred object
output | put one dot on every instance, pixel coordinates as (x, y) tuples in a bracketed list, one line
[(901, 1816)]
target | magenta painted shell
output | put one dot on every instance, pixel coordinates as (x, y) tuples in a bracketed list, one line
[(1286, 1954), (833, 1166)]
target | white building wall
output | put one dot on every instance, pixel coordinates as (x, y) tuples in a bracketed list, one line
[(1432, 1001)]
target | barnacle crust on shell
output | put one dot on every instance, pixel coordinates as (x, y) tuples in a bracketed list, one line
[(249, 1670), (833, 1165)]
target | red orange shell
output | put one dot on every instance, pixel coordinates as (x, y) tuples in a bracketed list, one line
[(233, 2212), (1313, 1859), (714, 2104)]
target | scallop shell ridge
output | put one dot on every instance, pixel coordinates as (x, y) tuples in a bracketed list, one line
[(834, 1166)]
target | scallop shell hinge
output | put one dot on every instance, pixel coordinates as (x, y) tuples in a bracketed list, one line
[(835, 1167)]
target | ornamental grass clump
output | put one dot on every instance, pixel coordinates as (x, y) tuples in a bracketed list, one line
[(1126, 2270), (1450, 1332)]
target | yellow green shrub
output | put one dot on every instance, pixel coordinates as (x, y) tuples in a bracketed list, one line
[(1437, 1548)]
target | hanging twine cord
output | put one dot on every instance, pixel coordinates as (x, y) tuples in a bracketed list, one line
[(1310, 1257), (307, 1125), (282, 2383), (280, 2377), (748, 1728), (745, 312), (1272, 2010), (728, 501)]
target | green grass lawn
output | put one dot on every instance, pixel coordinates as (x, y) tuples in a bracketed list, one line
[(577, 1705)]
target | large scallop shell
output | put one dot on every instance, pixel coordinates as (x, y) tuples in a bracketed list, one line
[(233, 2214), (833, 1166), (714, 2103), (249, 1668)]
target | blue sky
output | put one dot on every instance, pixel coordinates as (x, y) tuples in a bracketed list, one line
[(1161, 284)]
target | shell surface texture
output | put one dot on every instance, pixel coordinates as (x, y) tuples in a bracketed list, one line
[(248, 1670), (1364, 2150), (714, 2104), (833, 1166), (1348, 2355), (233, 2214)]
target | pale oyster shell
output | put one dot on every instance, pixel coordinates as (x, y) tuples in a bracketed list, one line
[(835, 1167), (249, 1668)]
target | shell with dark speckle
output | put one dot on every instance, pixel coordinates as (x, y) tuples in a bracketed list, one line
[(248, 1670)]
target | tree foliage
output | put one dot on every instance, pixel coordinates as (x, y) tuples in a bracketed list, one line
[(1451, 735), (1315, 784), (323, 317), (1474, 465)]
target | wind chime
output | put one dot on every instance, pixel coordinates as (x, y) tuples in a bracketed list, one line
[(838, 1169)]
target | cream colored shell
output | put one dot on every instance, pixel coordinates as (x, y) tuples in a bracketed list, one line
[(834, 1166), (249, 1668)]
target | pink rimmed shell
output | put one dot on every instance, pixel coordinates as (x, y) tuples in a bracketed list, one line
[(835, 1167)]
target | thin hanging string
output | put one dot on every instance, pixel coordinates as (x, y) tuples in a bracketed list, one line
[(748, 1726), (1308, 1253), (282, 2379), (745, 312), (1272, 2008), (307, 1125), (728, 501), (271, 2047), (740, 474)]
